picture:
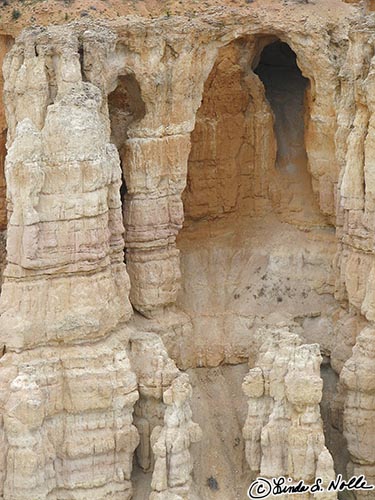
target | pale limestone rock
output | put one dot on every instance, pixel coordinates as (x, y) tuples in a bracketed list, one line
[(171, 443), (76, 239), (66, 411), (65, 431), (283, 431), (357, 376), (163, 418), (347, 328)]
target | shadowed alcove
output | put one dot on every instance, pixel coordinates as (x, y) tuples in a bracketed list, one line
[(285, 88), (255, 246), (125, 107), (285, 91)]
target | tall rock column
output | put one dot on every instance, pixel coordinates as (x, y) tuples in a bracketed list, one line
[(5, 45), (65, 224), (155, 173), (357, 377), (163, 418), (356, 255), (67, 390), (171, 75)]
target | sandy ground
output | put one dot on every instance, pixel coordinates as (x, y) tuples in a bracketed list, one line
[(17, 14)]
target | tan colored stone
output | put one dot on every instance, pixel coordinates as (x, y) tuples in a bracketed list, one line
[(256, 249), (283, 431)]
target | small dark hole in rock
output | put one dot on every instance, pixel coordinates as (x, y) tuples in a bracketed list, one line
[(212, 483)]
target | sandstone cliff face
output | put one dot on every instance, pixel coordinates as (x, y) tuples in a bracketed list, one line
[(68, 389), (172, 191)]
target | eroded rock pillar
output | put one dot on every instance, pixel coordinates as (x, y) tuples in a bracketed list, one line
[(67, 390), (155, 170), (65, 223), (283, 431), (355, 258), (357, 377), (155, 174)]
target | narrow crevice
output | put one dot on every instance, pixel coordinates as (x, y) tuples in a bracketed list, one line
[(81, 53), (126, 107)]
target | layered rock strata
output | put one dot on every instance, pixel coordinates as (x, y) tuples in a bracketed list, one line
[(83, 101), (358, 381), (68, 390), (163, 418), (65, 435), (283, 431)]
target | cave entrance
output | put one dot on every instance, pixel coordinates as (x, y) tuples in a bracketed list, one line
[(286, 90), (255, 248)]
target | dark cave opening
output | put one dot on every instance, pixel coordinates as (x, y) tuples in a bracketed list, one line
[(285, 88), (255, 245), (286, 92)]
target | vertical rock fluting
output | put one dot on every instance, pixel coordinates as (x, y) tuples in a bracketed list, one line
[(67, 390), (171, 442), (69, 247), (171, 77), (357, 377), (283, 431), (163, 418), (67, 387), (65, 433), (5, 44), (355, 256), (66, 410)]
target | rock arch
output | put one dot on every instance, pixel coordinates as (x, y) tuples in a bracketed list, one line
[(233, 179)]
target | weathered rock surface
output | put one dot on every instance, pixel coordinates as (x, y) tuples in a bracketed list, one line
[(215, 173), (63, 431), (67, 386), (283, 431), (357, 377)]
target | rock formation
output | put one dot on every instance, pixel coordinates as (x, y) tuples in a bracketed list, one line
[(68, 390), (358, 380), (283, 431), (172, 186), (171, 443)]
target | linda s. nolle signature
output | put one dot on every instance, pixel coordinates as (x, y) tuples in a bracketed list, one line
[(263, 487)]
